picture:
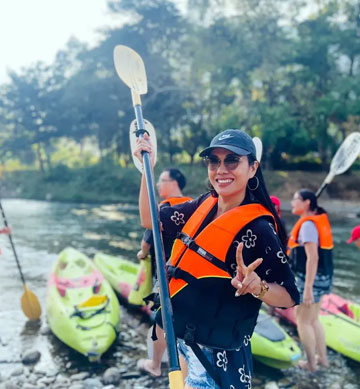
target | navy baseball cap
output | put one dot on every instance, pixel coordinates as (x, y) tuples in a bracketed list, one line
[(237, 141)]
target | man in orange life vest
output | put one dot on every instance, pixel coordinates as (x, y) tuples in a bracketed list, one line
[(355, 236), (170, 185)]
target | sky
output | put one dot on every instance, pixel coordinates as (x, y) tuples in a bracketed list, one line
[(34, 30)]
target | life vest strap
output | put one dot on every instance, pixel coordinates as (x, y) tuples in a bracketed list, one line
[(192, 245), (176, 272), (205, 362)]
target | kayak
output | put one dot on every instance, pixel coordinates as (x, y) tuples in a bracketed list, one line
[(132, 281), (341, 321), (82, 308), (270, 343)]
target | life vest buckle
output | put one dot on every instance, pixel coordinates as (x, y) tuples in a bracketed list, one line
[(186, 239), (189, 335)]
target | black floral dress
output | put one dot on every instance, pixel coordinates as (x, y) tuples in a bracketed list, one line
[(260, 241)]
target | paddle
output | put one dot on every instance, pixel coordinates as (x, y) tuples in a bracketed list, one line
[(29, 302), (343, 159), (258, 147), (131, 70)]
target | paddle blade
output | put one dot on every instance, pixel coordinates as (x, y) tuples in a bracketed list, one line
[(150, 129), (259, 148), (346, 154), (30, 304), (130, 68)]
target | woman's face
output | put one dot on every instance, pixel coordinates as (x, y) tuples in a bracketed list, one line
[(298, 205), (229, 178)]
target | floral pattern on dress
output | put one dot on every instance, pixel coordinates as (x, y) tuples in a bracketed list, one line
[(245, 378), (273, 228), (222, 360), (249, 239), (246, 340), (281, 255), (178, 218)]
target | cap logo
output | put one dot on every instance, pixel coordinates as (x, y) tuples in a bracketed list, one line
[(226, 136)]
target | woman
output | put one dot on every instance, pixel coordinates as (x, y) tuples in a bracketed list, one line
[(225, 239), (310, 245)]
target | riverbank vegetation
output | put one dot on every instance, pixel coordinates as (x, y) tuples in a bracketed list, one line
[(287, 71), (106, 183)]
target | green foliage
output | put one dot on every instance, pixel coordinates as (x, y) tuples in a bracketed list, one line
[(284, 70)]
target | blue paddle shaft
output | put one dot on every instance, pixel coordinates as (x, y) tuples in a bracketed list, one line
[(166, 311)]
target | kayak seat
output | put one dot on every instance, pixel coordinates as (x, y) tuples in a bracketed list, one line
[(268, 329)]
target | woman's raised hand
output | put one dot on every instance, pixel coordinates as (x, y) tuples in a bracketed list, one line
[(144, 144), (246, 280)]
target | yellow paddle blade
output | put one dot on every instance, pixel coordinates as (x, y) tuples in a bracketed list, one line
[(30, 304), (93, 301), (130, 68)]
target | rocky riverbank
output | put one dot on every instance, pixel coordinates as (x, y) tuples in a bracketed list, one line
[(118, 367)]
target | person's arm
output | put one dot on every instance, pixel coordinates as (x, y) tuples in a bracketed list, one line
[(144, 206), (312, 260), (144, 144), (144, 251), (247, 280)]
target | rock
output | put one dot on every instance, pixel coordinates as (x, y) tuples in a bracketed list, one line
[(80, 376), (52, 373), (271, 385), (92, 383), (112, 376), (131, 374), (46, 381), (10, 385), (18, 371), (78, 385), (45, 330), (31, 357), (29, 386)]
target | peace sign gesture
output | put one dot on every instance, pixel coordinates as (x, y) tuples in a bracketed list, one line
[(246, 280)]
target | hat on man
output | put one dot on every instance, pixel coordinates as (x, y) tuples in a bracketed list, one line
[(237, 141), (355, 234)]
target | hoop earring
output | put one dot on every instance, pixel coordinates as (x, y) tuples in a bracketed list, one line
[(256, 186)]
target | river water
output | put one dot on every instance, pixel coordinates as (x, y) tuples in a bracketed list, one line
[(42, 229)]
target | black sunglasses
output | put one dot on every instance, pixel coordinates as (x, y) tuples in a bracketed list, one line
[(231, 162)]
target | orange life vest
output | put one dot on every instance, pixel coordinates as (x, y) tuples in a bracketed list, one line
[(297, 253), (175, 200), (205, 309)]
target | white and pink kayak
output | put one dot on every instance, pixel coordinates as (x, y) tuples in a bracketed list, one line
[(341, 321)]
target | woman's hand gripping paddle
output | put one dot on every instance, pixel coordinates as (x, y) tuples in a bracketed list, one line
[(343, 159), (133, 131), (131, 70), (29, 302)]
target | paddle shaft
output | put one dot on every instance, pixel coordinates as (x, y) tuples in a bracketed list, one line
[(166, 311), (12, 245)]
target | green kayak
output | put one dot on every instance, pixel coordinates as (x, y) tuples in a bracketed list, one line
[(132, 281), (270, 344), (341, 321), (82, 308)]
